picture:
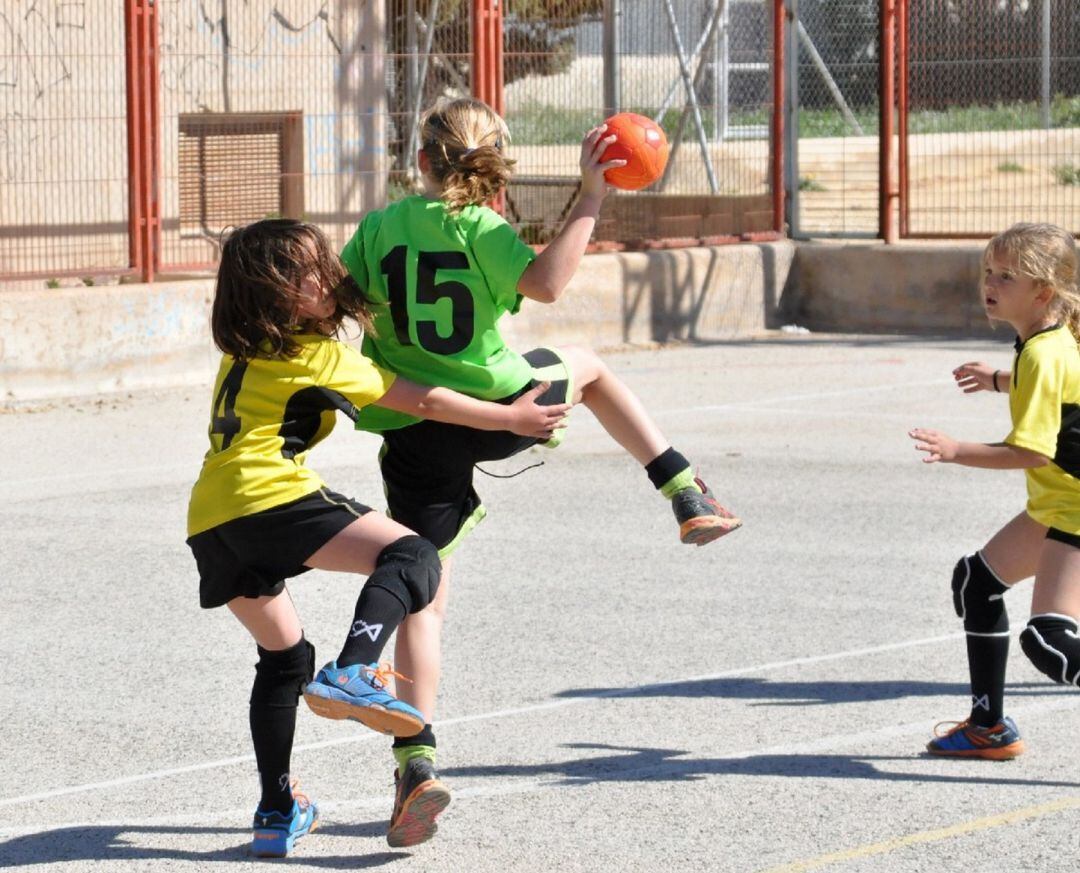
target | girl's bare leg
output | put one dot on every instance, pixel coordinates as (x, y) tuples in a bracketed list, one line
[(271, 621), (1013, 552), (615, 406), (1057, 581), (355, 549), (418, 650)]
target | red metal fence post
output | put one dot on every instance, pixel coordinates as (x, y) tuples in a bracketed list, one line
[(776, 164), (144, 161), (487, 60), (902, 112), (132, 9), (886, 181)]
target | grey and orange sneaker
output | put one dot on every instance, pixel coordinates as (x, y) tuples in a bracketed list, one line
[(701, 519), (966, 740), (419, 798)]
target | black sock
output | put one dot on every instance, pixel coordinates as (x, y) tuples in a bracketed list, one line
[(426, 737), (378, 613), (665, 467), (986, 662), (272, 730)]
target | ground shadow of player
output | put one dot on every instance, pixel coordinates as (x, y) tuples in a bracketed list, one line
[(640, 764), (811, 693), (114, 842)]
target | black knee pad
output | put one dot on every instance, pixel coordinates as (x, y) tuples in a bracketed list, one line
[(1053, 646), (977, 597), (280, 677), (409, 569)]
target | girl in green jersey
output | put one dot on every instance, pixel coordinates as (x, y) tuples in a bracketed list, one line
[(440, 269)]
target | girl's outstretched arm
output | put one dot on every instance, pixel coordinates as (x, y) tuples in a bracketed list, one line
[(977, 376), (545, 279), (991, 456), (524, 416)]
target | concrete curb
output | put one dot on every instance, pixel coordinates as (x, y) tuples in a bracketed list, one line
[(76, 341)]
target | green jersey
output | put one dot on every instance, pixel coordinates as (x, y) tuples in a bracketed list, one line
[(439, 284)]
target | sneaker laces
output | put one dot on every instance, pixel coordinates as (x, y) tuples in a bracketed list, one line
[(949, 731), (302, 800), (381, 674)]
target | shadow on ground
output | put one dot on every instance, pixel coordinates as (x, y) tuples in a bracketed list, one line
[(816, 693), (638, 764), (115, 842)]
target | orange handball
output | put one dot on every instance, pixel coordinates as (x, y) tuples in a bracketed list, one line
[(642, 144)]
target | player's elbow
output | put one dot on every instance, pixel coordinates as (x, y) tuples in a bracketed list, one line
[(540, 292), (1031, 459)]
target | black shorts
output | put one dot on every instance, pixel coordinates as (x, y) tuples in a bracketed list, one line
[(427, 467), (252, 556), (1052, 533)]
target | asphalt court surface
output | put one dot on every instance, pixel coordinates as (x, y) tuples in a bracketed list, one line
[(612, 700)]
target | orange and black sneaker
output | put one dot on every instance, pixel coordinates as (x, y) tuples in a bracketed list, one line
[(701, 518), (419, 798), (966, 740)]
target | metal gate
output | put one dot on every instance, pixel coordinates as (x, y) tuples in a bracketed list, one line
[(833, 148)]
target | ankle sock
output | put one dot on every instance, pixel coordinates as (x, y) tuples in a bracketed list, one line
[(421, 745), (670, 473)]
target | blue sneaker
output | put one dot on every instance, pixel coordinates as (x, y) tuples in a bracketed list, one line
[(359, 693), (275, 834), (965, 740)]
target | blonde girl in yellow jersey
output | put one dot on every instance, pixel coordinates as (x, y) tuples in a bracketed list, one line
[(1030, 282), (259, 515)]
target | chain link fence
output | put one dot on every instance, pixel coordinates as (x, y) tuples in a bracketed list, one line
[(838, 110), (308, 109), (63, 157), (699, 68), (270, 109), (993, 123)]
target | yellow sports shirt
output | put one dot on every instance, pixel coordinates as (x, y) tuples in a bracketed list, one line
[(267, 413), (1044, 402)]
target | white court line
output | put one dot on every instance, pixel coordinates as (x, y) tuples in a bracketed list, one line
[(484, 716), (187, 472), (504, 788)]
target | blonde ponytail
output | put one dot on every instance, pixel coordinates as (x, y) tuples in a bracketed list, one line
[(464, 141)]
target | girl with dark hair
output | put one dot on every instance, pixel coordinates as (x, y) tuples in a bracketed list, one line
[(259, 515)]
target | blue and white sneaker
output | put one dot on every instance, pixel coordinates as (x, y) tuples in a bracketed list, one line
[(966, 740), (358, 692), (274, 834)]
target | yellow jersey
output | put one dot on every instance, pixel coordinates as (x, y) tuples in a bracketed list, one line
[(267, 413), (1044, 403)]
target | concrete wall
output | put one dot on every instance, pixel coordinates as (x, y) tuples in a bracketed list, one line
[(75, 341), (875, 288)]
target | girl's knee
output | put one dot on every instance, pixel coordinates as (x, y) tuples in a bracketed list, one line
[(585, 363)]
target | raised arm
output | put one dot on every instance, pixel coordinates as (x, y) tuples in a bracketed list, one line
[(545, 279)]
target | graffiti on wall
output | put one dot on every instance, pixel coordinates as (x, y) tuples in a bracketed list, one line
[(204, 40), (34, 37)]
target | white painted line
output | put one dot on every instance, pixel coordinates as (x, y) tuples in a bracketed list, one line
[(508, 787), (189, 472), (368, 736)]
